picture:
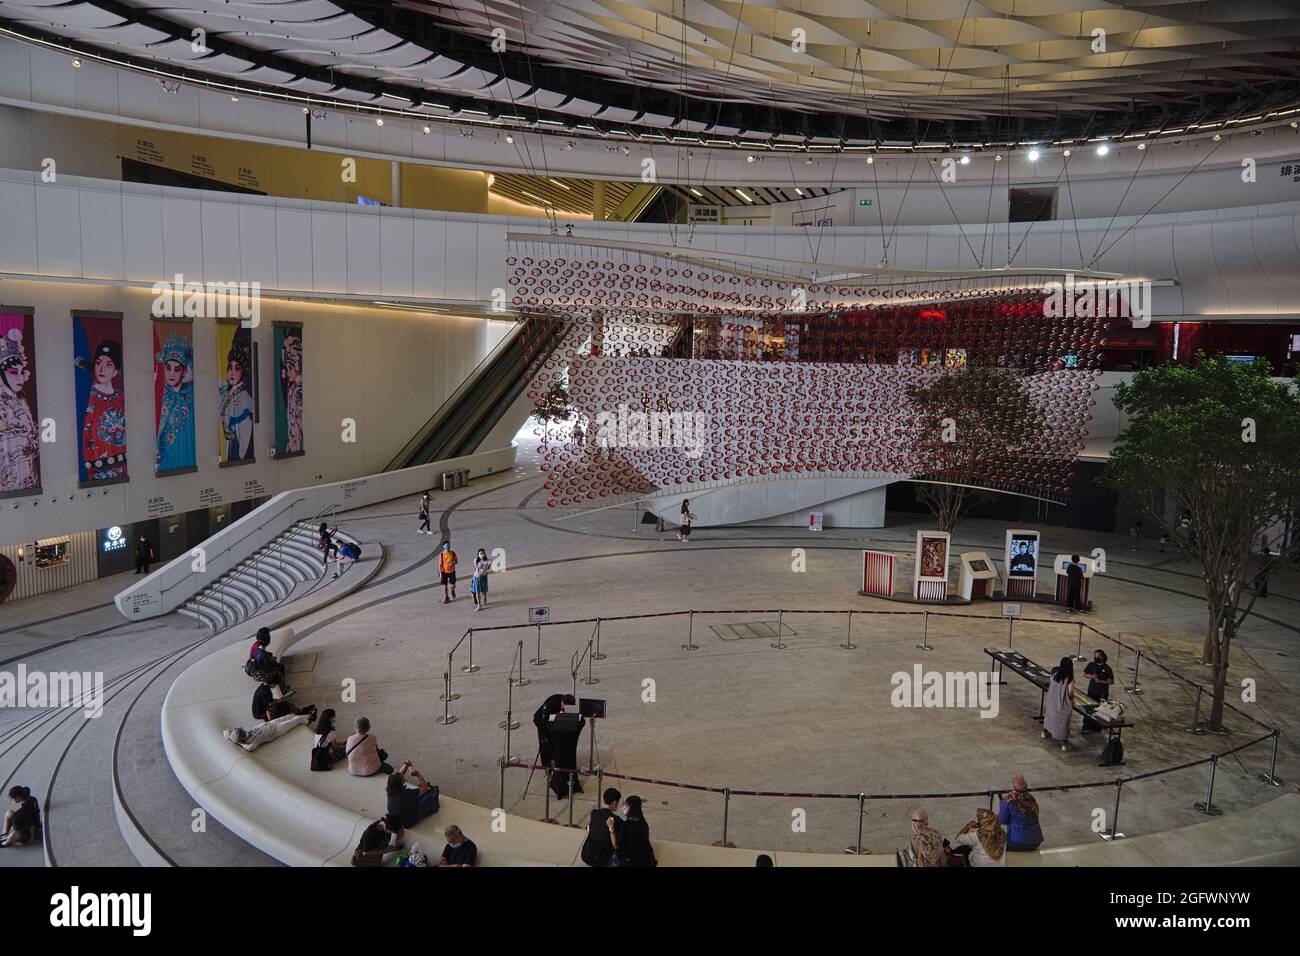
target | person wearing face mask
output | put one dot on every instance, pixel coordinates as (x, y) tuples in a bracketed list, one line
[(478, 584), (1100, 678), (447, 572)]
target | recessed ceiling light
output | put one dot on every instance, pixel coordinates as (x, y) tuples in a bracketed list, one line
[(379, 121), (997, 158), (743, 195), (749, 158), (1033, 156), (509, 138), (76, 65), (1295, 125), (234, 99), (965, 160), (1218, 137), (1142, 145), (1103, 149), (1066, 154), (427, 131), (871, 160)]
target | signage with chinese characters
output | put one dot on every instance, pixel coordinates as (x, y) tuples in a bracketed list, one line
[(111, 540)]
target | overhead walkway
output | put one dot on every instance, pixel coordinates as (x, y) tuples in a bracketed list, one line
[(494, 391)]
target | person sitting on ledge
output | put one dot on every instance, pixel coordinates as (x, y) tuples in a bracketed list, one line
[(266, 706), (364, 756), (460, 850), (926, 848), (602, 831), (1018, 813), (986, 839), (411, 804), (763, 860), (634, 837), (327, 735), (265, 665), (263, 733), (23, 822), (381, 837)]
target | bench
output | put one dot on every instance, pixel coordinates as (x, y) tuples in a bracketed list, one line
[(1041, 677)]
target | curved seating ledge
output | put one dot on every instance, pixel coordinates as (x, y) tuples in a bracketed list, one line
[(272, 800)]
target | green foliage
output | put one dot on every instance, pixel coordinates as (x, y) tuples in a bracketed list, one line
[(554, 405)]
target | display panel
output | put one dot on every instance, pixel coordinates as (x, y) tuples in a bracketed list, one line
[(237, 394), (101, 397), (173, 390), (1022, 556), (934, 557), (288, 391), (20, 458)]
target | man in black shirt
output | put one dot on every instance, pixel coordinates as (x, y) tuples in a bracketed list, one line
[(1100, 677), (382, 836), (1074, 585), (602, 831), (460, 850), (22, 822), (267, 707)]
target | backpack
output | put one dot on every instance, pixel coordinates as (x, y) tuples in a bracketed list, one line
[(321, 757), (252, 668), (1112, 753), (351, 551)]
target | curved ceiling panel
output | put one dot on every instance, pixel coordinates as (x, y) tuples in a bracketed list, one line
[(899, 71)]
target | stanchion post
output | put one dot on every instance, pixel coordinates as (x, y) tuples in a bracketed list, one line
[(573, 781), (1114, 833), (598, 655), (502, 802), (1078, 650), (471, 667), (1271, 778), (589, 680), (848, 644), (1011, 628), (856, 849), (600, 785), (726, 809), (546, 808), (539, 660), (779, 644), (521, 680), (925, 632), (690, 632), (447, 716), (1195, 726), (991, 801), (447, 692), (1136, 689), (1208, 807)]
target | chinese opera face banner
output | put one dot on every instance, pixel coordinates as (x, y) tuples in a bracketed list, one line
[(101, 400), (20, 460), (173, 397), (288, 392), (236, 396)]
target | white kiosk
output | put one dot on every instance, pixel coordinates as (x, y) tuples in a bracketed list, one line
[(979, 575), (1063, 583)]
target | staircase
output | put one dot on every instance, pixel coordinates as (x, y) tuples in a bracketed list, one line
[(288, 566)]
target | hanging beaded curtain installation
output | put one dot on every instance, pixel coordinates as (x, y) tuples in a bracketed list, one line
[(683, 375)]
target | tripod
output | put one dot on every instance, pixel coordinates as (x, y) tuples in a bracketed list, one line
[(531, 771)]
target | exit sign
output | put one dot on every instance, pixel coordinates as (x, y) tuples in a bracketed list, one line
[(864, 202)]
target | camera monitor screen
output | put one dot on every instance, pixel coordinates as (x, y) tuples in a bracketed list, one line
[(591, 707)]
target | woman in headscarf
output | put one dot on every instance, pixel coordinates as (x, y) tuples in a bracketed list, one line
[(927, 842), (1019, 815), (986, 839), (1058, 705)]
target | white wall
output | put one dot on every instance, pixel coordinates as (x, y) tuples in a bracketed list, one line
[(388, 370)]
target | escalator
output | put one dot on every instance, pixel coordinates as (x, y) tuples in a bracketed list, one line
[(470, 413)]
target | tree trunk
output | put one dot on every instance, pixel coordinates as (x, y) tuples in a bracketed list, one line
[(1221, 674)]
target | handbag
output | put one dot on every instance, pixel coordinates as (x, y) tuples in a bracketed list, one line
[(321, 757)]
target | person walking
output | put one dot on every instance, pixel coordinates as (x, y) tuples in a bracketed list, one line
[(478, 584), (424, 514), (143, 555), (447, 572), (684, 531), (325, 541), (1136, 532), (1058, 705)]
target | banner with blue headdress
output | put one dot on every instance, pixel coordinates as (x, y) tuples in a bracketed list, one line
[(288, 392), (173, 395)]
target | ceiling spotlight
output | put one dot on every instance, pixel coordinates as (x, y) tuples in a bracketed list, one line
[(965, 160), (807, 162), (1066, 154), (379, 121), (76, 63), (749, 158), (510, 138), (1295, 125), (1142, 145), (1103, 149), (1033, 156), (871, 160), (234, 99), (1218, 137), (568, 147), (997, 158), (305, 110), (627, 150)]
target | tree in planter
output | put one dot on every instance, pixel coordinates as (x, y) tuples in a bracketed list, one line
[(1219, 442), (972, 423)]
